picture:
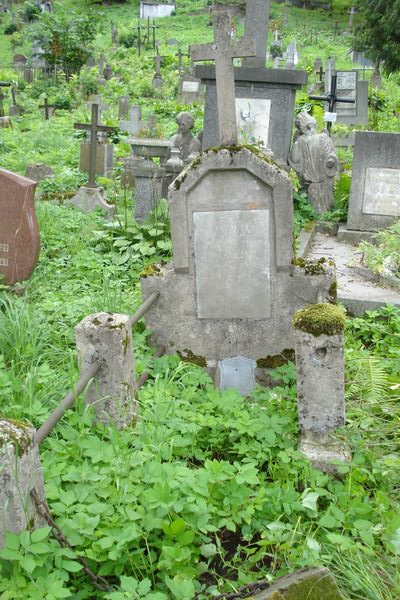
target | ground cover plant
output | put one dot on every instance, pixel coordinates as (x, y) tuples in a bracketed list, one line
[(206, 492)]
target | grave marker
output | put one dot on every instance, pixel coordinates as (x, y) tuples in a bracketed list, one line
[(375, 185), (158, 81), (19, 232), (222, 51), (48, 108), (256, 28)]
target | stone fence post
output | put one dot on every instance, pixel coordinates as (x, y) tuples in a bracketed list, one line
[(320, 382), (20, 473), (107, 338)]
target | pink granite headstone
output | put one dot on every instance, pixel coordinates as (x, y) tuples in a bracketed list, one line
[(19, 231)]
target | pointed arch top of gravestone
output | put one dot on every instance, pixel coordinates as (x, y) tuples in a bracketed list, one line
[(19, 231)]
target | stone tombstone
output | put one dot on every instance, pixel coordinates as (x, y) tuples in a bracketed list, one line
[(19, 231), (104, 158), (375, 184), (275, 87), (190, 89), (350, 86), (256, 28), (123, 107), (134, 122), (39, 171), (232, 287)]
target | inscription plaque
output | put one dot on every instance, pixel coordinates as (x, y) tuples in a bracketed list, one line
[(238, 373), (190, 86), (232, 262), (252, 118), (382, 192), (346, 88)]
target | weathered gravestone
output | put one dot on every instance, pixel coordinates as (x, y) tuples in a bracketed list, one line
[(348, 85), (265, 98), (305, 584), (232, 287), (104, 151), (375, 185), (39, 171), (91, 195), (123, 107), (19, 232), (190, 88), (133, 124)]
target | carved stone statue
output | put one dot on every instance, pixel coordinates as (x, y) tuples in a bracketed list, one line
[(184, 139), (314, 159)]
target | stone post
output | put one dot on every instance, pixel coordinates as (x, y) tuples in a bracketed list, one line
[(149, 185), (20, 473), (106, 337), (320, 382)]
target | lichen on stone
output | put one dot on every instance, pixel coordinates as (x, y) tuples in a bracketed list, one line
[(313, 267), (320, 319), (17, 433), (188, 356), (272, 362)]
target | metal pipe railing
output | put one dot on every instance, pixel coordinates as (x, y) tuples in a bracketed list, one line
[(68, 401), (90, 372), (142, 309)]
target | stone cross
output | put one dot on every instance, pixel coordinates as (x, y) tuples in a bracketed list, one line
[(223, 50), (332, 99), (256, 28), (96, 99), (47, 108), (180, 55), (157, 62), (93, 128)]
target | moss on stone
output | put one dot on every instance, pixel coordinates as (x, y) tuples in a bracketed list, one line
[(17, 433), (314, 588), (320, 319), (333, 292), (188, 356), (234, 149), (312, 267), (151, 270), (271, 362)]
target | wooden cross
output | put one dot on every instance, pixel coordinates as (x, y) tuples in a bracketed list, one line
[(332, 99), (46, 107), (94, 128), (223, 50)]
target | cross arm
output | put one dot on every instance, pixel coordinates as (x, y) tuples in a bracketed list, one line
[(203, 52), (99, 128), (327, 98)]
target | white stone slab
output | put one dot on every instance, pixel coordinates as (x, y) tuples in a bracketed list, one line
[(252, 118), (232, 261), (190, 86), (382, 192), (346, 80)]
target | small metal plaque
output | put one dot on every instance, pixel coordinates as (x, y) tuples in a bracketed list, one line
[(238, 373)]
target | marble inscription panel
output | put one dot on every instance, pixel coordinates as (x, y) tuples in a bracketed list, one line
[(252, 118), (232, 262), (382, 192)]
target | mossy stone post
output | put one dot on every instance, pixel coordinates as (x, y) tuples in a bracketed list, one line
[(305, 584), (20, 473), (320, 382), (107, 338)]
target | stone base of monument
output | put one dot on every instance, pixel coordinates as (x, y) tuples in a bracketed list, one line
[(356, 290), (89, 198), (324, 451), (14, 110), (354, 236)]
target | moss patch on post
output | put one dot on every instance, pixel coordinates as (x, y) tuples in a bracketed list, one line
[(313, 267), (188, 356), (320, 319)]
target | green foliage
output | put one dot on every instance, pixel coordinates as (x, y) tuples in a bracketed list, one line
[(31, 12), (387, 244), (10, 29), (66, 38), (377, 103), (377, 32)]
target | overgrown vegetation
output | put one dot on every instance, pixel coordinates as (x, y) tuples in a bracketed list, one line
[(207, 491)]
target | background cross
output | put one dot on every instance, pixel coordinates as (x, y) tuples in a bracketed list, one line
[(180, 55), (94, 128), (256, 28), (46, 107), (332, 99), (223, 50)]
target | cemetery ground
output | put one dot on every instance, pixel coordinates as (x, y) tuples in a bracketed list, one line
[(206, 491)]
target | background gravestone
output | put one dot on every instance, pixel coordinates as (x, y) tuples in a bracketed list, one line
[(375, 185), (350, 86), (19, 231)]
